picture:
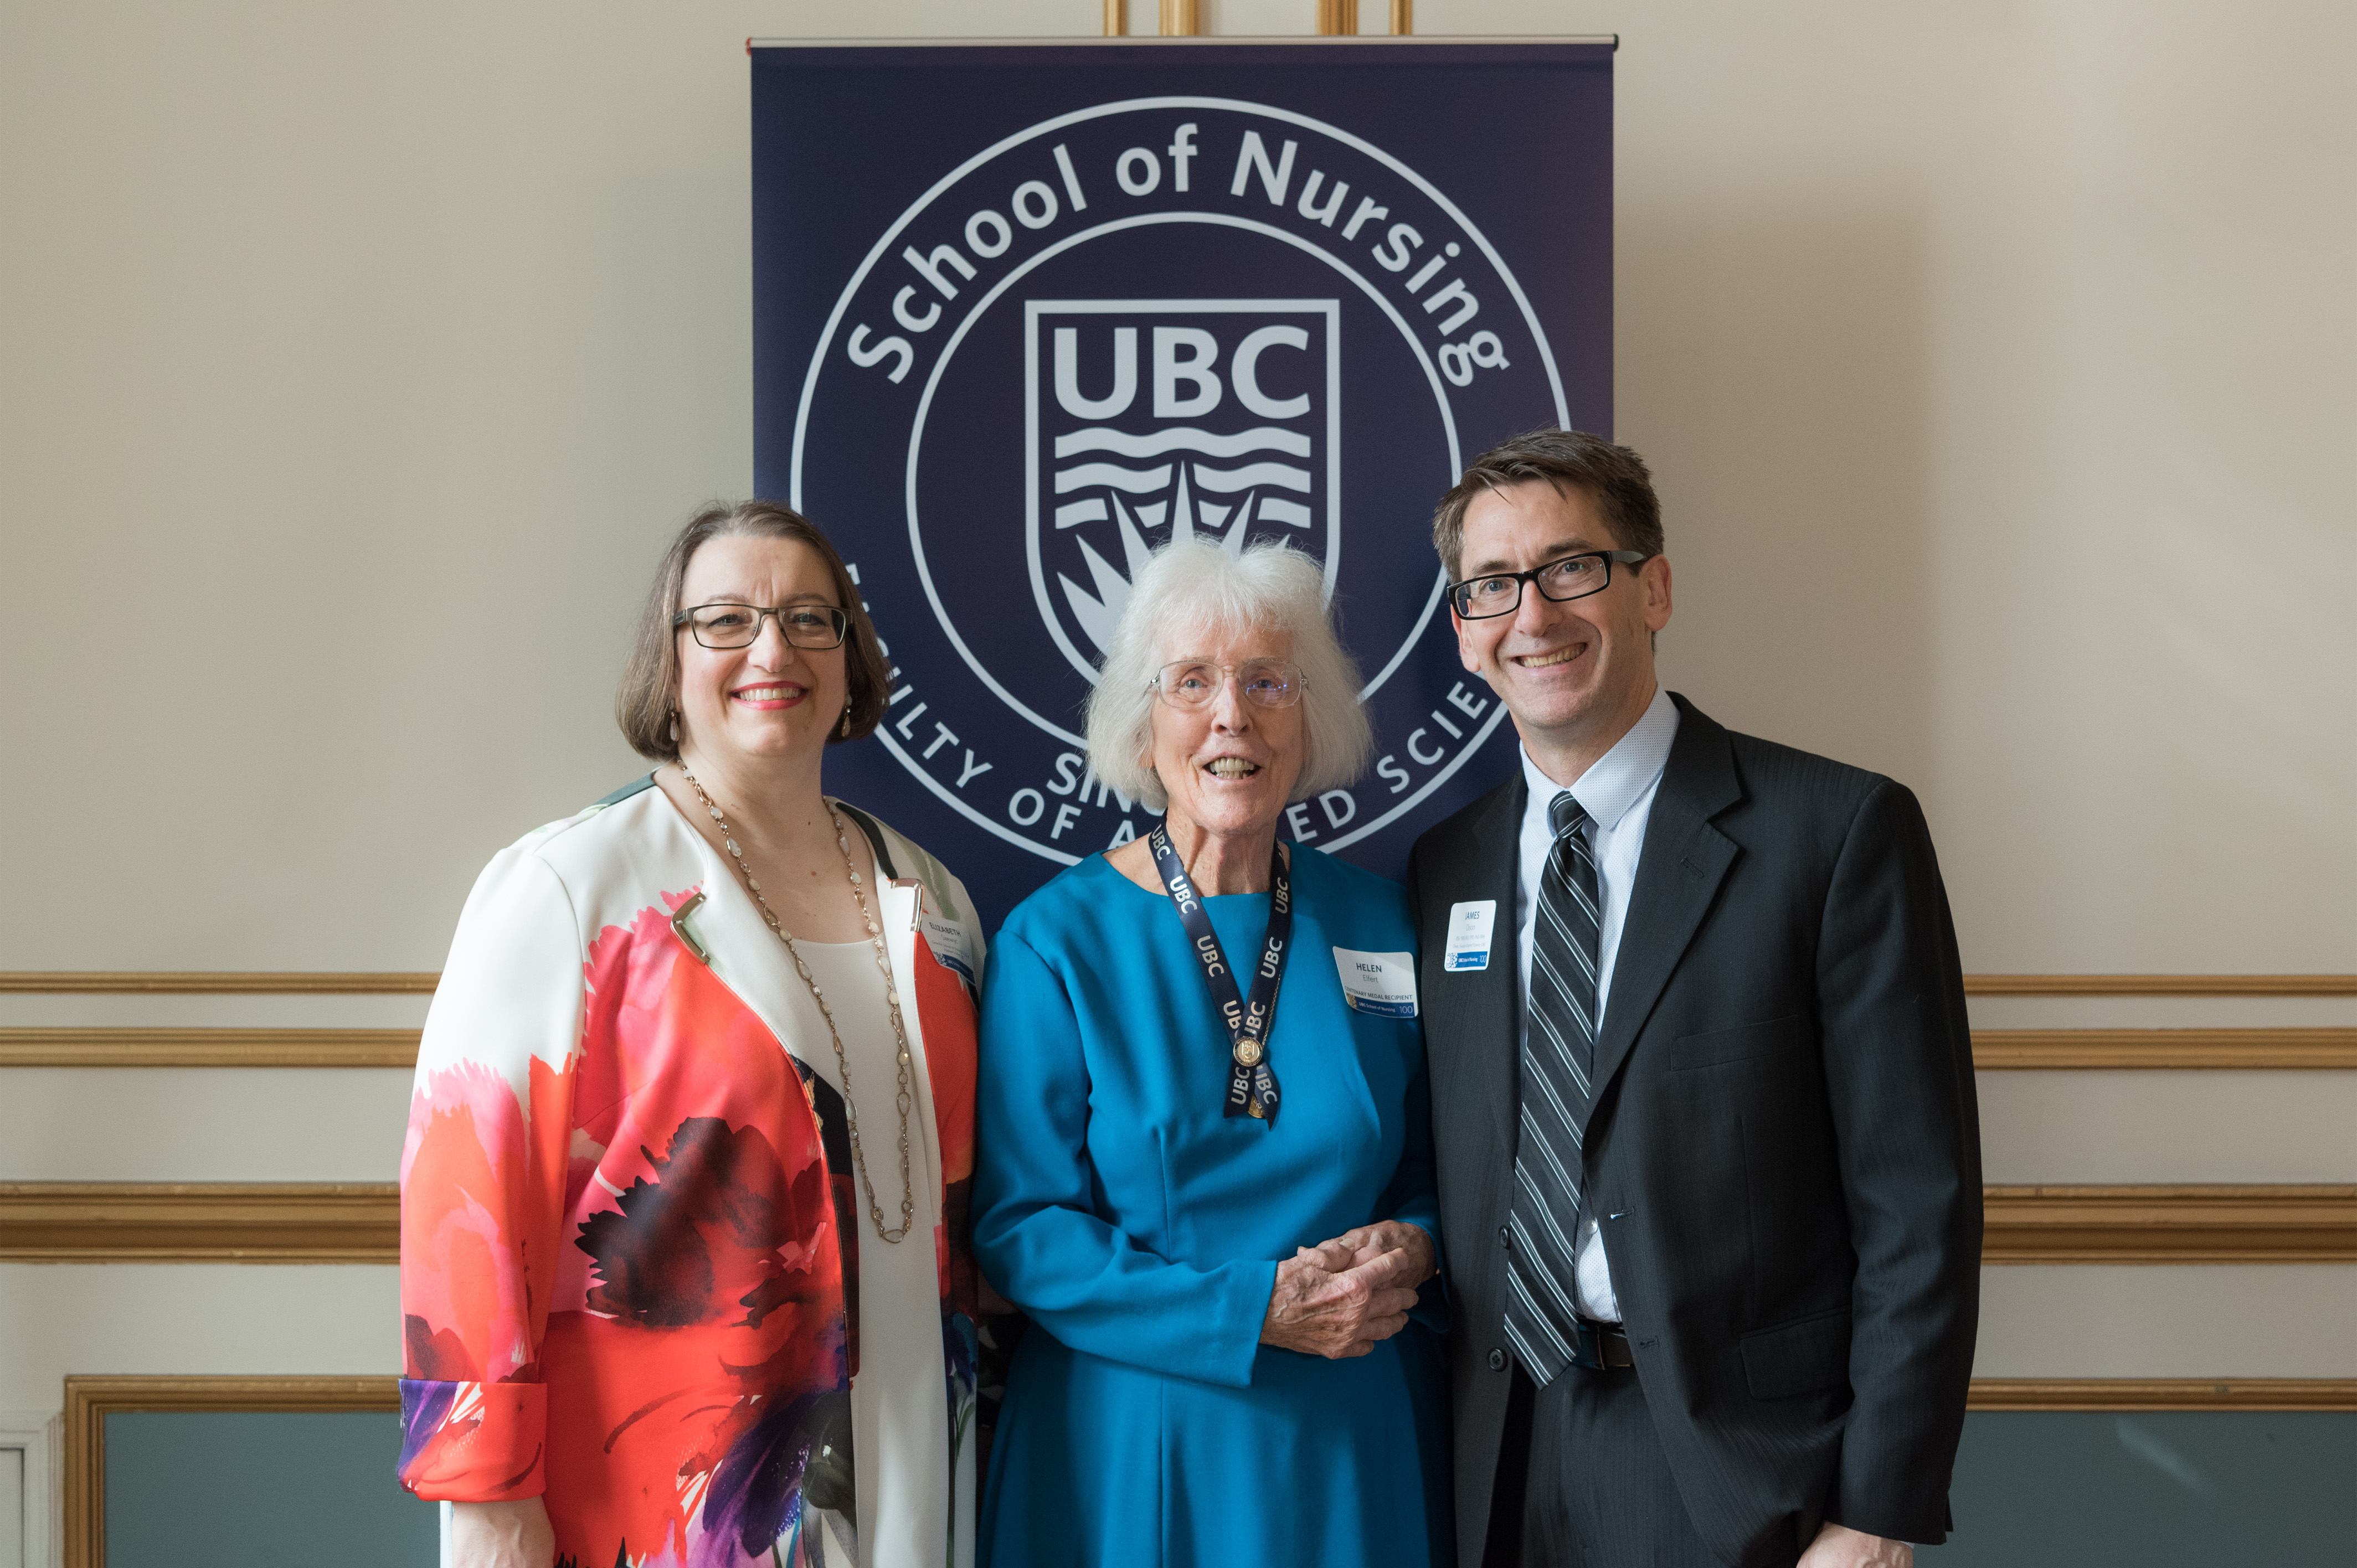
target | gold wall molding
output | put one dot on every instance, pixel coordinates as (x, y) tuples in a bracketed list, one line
[(199, 1222), (2160, 986), (1996, 1051), (213, 982), (1336, 17), (208, 1047), (89, 1400), (304, 983), (360, 1222), (2241, 1223), (2162, 1393)]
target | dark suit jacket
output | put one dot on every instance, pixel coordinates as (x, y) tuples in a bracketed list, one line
[(1784, 1153)]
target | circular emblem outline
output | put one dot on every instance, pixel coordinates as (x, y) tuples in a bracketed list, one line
[(1480, 729)]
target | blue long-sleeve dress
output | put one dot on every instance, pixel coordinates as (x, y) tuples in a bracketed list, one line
[(1144, 1426)]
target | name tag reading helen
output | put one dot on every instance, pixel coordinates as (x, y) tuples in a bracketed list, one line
[(1468, 943), (1382, 984)]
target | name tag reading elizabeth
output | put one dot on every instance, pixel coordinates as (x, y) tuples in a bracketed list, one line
[(1382, 983), (1467, 946), (947, 939)]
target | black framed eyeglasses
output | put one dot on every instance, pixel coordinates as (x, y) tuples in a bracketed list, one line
[(1567, 577), (721, 626)]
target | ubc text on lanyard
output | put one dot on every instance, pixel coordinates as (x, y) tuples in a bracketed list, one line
[(1252, 1084)]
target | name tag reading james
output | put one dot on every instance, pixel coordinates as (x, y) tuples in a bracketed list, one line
[(1382, 984), (1468, 943)]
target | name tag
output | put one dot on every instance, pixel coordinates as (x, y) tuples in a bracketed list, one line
[(1468, 943), (1382, 984), (947, 939)]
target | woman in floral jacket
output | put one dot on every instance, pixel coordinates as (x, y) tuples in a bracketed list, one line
[(662, 1304)]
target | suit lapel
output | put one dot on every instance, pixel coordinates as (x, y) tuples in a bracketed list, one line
[(1498, 1052), (1481, 1007), (1678, 876)]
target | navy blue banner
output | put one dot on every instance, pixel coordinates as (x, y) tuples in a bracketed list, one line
[(1023, 313)]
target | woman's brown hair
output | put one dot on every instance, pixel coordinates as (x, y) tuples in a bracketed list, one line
[(644, 704)]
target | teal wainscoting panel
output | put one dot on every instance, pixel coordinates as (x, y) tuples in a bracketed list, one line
[(2154, 1489), (249, 1489)]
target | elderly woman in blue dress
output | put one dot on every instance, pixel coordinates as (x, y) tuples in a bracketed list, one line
[(1203, 1157)]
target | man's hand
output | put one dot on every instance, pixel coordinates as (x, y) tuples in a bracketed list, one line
[(1337, 1311), (1368, 1242), (501, 1535), (1838, 1546)]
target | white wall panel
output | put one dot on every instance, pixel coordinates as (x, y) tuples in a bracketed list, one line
[(2168, 1126), (34, 1010), (220, 1319), (2147, 1320), (346, 1124), (202, 1123)]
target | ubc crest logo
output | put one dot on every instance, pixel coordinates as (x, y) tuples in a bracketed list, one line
[(1234, 431), (1144, 321)]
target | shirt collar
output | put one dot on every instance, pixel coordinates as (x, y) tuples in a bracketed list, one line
[(1622, 775)]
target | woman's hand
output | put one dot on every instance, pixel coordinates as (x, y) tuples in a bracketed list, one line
[(1337, 1311), (1369, 1242), (503, 1535)]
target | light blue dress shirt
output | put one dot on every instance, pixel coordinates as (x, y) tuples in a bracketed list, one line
[(1616, 792)]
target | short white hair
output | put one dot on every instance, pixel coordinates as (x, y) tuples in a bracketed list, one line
[(1194, 586)]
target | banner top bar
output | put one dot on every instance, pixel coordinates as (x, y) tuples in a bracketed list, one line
[(1611, 40)]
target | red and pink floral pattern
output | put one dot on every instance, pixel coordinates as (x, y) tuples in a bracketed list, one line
[(629, 1270)]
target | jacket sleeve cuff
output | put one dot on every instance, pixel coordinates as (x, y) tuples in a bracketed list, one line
[(473, 1443), (1922, 1525), (1245, 1289)]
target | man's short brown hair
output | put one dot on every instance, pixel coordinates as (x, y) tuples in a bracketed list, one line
[(1567, 459), (650, 680)]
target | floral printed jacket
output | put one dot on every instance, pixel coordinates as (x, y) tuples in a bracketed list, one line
[(628, 1243)]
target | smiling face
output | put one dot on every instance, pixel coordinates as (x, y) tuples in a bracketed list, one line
[(1229, 765), (769, 700), (1575, 675)]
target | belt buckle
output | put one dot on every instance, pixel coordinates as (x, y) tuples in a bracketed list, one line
[(1587, 1345)]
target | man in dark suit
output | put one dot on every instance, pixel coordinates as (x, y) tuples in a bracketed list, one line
[(1702, 1087)]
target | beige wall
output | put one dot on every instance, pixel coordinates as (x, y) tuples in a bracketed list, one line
[(1998, 363), (1997, 366)]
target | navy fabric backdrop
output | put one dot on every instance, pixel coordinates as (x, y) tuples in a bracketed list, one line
[(1024, 313)]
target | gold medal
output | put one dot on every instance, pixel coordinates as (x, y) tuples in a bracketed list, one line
[(1254, 1108), (1249, 1051)]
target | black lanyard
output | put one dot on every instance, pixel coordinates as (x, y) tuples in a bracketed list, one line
[(1251, 1086)]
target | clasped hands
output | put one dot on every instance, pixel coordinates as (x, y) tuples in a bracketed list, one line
[(1340, 1297)]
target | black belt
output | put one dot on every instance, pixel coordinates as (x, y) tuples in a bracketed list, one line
[(1600, 1347)]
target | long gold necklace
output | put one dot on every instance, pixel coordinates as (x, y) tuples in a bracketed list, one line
[(891, 998)]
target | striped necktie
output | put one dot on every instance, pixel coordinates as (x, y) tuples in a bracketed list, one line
[(1558, 1053)]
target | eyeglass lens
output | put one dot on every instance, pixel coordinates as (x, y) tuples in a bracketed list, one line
[(738, 626), (1266, 683)]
